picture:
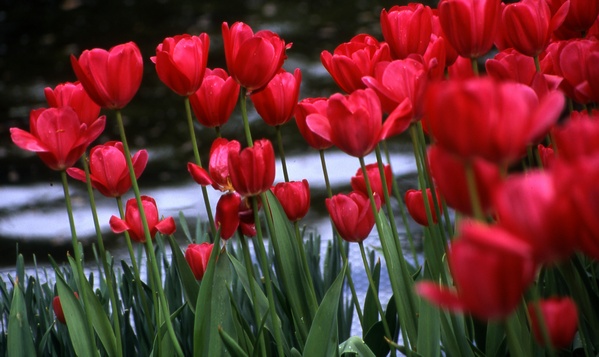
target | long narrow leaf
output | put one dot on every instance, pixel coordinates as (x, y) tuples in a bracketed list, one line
[(20, 339)]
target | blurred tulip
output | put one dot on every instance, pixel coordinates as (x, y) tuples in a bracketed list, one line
[(304, 108), (218, 167), (57, 136), (111, 78), (181, 61), (252, 170), (461, 69), (57, 307), (216, 99), (578, 65), (450, 53), (358, 183), (407, 29), (581, 14), (560, 316), (252, 59), (352, 215), (577, 138), (276, 102), (73, 95), (197, 256), (108, 169), (352, 60), (133, 224), (294, 196), (415, 205)]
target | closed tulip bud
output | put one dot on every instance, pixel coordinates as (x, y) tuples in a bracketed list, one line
[(216, 99), (197, 256), (352, 215), (227, 214), (73, 95), (294, 196), (358, 183), (415, 204), (181, 61), (560, 316), (304, 108), (111, 78), (133, 224), (252, 169), (276, 102), (407, 29)]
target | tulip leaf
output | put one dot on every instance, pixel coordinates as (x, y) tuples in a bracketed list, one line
[(188, 280), (355, 346), (231, 344), (429, 333), (20, 339), (323, 336), (371, 312)]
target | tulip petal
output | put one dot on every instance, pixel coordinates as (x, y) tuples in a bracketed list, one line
[(167, 226), (440, 296), (118, 225), (319, 125), (26, 141), (398, 121), (199, 175)]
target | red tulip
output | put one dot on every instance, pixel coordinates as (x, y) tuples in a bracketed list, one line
[(352, 60), (73, 95), (461, 69), (354, 123), (133, 224), (407, 29), (252, 59), (302, 110), (480, 117), (294, 196), (111, 78), (560, 316), (578, 138), (358, 183), (218, 168), (352, 215), (227, 214), (491, 270), (181, 62), (216, 99), (57, 136), (450, 53), (415, 204), (252, 169), (108, 169), (577, 64), (197, 256), (276, 102), (435, 58), (580, 17), (470, 26), (57, 307)]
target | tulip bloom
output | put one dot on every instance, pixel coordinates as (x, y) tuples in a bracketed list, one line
[(352, 60), (352, 215), (482, 118), (218, 167), (252, 59), (491, 270), (276, 102), (73, 95), (111, 78), (581, 14), (407, 29), (214, 102), (354, 123), (415, 204), (470, 26), (108, 169), (133, 224), (294, 196), (57, 136), (227, 214), (181, 62), (197, 256), (358, 183), (560, 316), (304, 108), (252, 169), (577, 62), (578, 138)]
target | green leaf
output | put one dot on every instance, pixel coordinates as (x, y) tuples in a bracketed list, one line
[(355, 346), (20, 339), (190, 284), (371, 312), (429, 333), (323, 337), (231, 344)]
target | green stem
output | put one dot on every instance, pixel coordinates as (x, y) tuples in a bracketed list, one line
[(537, 64), (217, 131), (78, 257), (198, 159), (108, 272), (474, 63), (512, 337), (300, 243), (244, 116), (282, 153), (266, 272), (149, 246)]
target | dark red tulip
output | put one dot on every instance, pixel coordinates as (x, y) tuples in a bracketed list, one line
[(111, 78), (560, 316), (407, 29), (73, 95), (57, 136), (133, 224), (294, 196), (252, 169), (415, 205), (276, 102), (352, 215), (358, 183), (197, 256), (181, 61), (216, 99), (227, 214)]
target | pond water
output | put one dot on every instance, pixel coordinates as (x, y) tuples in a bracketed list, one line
[(36, 39)]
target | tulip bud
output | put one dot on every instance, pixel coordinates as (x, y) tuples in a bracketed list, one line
[(197, 256), (415, 204), (352, 215), (294, 197), (560, 316)]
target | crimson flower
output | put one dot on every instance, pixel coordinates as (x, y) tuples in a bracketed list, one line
[(73, 95), (111, 78), (252, 170), (581, 16), (252, 59), (352, 215), (578, 138), (197, 256), (359, 184), (415, 204), (294, 196), (276, 102), (560, 316), (214, 102), (227, 214), (181, 62), (108, 168), (57, 136), (407, 29), (133, 224), (218, 166), (304, 108)]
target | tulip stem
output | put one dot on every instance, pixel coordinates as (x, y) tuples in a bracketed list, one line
[(537, 64), (149, 246), (244, 116), (339, 241), (198, 159), (474, 63), (302, 251), (266, 271), (78, 257), (282, 153), (108, 272)]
